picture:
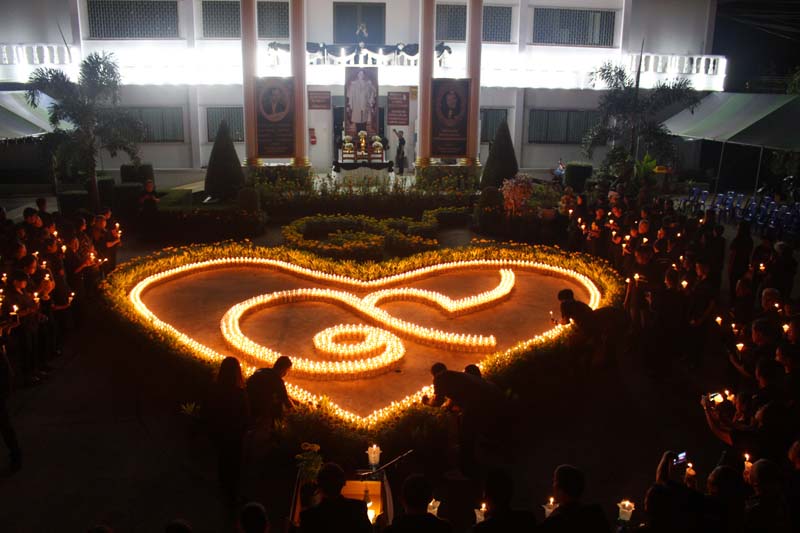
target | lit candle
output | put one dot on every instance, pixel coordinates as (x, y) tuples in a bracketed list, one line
[(626, 509), (14, 310), (786, 328), (718, 320), (761, 267), (644, 240), (549, 507), (684, 284), (55, 234), (747, 466), (729, 396), (552, 317), (690, 473), (374, 455), (44, 264), (480, 514), (433, 507), (5, 277), (679, 235), (63, 248), (570, 214), (740, 346), (636, 279), (47, 277), (36, 298)]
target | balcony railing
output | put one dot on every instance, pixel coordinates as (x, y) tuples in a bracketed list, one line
[(503, 65), (37, 54)]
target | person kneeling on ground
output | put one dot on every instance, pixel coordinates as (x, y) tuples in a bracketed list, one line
[(602, 328)]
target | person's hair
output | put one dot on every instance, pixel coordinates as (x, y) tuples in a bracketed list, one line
[(230, 374), (672, 277), (764, 327), (104, 210), (794, 452), (417, 492), (282, 363), (253, 518), (571, 480), (438, 368), (765, 474), (658, 505), (178, 526), (727, 482), (768, 369), (29, 212), (499, 488), (565, 294), (99, 218), (331, 479), (48, 242), (40, 202), (473, 370), (19, 275), (27, 261)]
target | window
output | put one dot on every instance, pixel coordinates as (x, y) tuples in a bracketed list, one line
[(133, 19), (273, 20), (234, 116), (359, 22), (161, 124), (573, 27), (560, 127), (221, 19), (490, 120), (451, 22), (497, 24)]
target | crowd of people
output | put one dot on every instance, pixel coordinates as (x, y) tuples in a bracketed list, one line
[(51, 267), (693, 301)]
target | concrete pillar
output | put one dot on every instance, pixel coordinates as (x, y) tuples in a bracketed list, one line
[(474, 41), (519, 123), (427, 25), (193, 105), (249, 72), (297, 47)]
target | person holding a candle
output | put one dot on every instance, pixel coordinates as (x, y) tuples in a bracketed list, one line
[(416, 495), (268, 397), (739, 252), (788, 356), (766, 510), (572, 514), (764, 342), (596, 330), (7, 432), (500, 517), (25, 337), (335, 512)]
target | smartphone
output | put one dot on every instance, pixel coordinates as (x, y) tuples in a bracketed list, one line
[(680, 460)]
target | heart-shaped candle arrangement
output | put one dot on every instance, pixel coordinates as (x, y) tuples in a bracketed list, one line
[(400, 330)]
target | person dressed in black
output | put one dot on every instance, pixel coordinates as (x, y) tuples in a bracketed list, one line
[(400, 155), (267, 393), (601, 328), (334, 513), (227, 415), (6, 429), (479, 403), (417, 492), (572, 515), (739, 256), (500, 517)]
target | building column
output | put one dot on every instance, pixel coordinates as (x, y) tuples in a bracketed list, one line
[(249, 73), (474, 40), (427, 23), (193, 102), (297, 49)]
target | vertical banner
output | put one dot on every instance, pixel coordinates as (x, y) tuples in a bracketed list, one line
[(275, 117), (449, 117), (361, 93), (397, 109)]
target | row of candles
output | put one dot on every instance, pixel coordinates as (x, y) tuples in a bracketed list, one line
[(302, 395)]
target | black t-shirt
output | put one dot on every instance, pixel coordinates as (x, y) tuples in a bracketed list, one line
[(267, 393)]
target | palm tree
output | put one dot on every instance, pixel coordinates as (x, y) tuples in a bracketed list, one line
[(90, 106), (632, 118)]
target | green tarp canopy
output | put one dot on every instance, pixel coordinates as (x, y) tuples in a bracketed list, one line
[(765, 120)]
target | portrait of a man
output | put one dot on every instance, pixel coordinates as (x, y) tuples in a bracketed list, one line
[(362, 99), (451, 105), (274, 104)]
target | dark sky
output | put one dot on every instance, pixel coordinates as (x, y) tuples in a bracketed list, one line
[(759, 38)]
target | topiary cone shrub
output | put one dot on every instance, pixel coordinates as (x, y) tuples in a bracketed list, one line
[(502, 161), (224, 175), (576, 175)]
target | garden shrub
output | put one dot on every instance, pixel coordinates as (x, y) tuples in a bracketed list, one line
[(576, 175), (502, 161), (136, 173), (447, 178), (224, 175)]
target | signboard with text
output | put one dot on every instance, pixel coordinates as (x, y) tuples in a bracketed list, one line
[(397, 109), (320, 100)]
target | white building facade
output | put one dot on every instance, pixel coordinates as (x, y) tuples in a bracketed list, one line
[(181, 62)]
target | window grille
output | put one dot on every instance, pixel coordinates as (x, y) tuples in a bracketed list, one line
[(573, 27), (161, 124), (490, 120), (451, 22), (133, 19), (497, 24), (548, 126), (221, 19), (234, 116)]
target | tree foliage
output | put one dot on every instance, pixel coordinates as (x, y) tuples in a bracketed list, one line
[(224, 176), (502, 161), (629, 115), (90, 107)]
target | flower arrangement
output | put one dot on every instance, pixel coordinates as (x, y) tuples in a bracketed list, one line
[(318, 410), (377, 146), (376, 138), (347, 138), (362, 133)]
